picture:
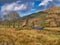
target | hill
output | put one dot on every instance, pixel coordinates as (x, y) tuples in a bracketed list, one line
[(46, 18)]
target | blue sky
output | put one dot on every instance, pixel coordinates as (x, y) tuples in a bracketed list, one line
[(25, 7)]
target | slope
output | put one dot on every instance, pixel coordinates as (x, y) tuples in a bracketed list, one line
[(46, 18)]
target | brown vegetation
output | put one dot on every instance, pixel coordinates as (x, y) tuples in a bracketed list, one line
[(29, 37)]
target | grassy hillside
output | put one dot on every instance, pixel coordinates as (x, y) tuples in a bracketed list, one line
[(29, 37), (46, 18)]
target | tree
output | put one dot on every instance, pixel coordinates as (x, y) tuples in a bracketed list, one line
[(12, 18), (12, 15), (33, 24)]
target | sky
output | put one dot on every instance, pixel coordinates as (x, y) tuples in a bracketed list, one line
[(25, 7)]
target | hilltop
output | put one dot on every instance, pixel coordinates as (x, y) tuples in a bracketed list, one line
[(47, 18)]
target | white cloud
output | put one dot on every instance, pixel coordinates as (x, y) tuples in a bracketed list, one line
[(44, 2), (13, 7), (16, 6), (21, 7)]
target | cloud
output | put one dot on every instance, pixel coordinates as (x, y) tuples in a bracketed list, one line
[(44, 2), (21, 7), (13, 7), (16, 6), (25, 6)]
